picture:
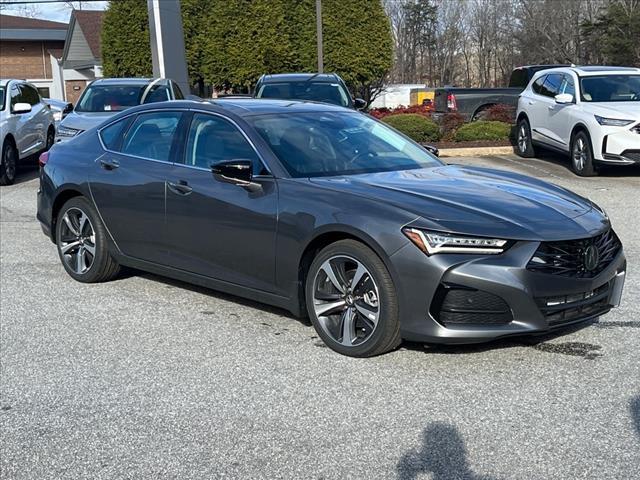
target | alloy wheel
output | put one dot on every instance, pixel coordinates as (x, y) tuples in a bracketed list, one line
[(77, 240), (9, 162), (523, 138), (579, 154), (346, 300), (50, 139)]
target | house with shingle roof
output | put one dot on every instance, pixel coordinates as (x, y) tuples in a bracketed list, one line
[(59, 59)]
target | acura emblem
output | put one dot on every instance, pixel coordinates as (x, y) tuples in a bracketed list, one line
[(591, 258)]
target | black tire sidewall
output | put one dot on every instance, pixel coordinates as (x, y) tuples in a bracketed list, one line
[(4, 178), (589, 169), (102, 257), (388, 321), (529, 152)]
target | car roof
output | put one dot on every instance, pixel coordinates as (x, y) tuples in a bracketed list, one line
[(245, 107), (123, 81), (587, 71), (299, 77)]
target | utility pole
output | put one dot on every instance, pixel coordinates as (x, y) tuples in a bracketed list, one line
[(167, 42), (319, 35)]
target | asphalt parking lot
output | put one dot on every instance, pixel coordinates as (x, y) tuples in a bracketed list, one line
[(150, 378)]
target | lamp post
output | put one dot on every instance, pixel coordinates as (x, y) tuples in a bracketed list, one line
[(319, 35)]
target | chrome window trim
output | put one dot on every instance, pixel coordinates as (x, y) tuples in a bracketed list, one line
[(224, 117)]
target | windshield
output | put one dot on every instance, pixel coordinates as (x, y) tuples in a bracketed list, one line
[(110, 98), (322, 144), (611, 88), (1, 98), (332, 93)]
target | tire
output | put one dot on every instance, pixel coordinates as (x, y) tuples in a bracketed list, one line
[(524, 145), (582, 155), (51, 138), (369, 309), (85, 257), (8, 164)]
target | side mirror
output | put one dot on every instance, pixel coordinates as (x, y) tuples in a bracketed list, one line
[(432, 149), (359, 104), (68, 108), (21, 107), (236, 172), (564, 98)]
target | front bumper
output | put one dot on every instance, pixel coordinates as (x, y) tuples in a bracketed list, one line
[(533, 300), (618, 145)]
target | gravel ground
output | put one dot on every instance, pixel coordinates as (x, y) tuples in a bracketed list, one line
[(145, 377)]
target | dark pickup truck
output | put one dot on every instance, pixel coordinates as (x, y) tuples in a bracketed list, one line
[(473, 102)]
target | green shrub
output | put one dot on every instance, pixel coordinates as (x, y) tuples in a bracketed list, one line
[(483, 130), (415, 126)]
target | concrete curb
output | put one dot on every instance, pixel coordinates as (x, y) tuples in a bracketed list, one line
[(475, 151)]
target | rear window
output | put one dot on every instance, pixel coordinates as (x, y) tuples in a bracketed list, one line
[(519, 78), (110, 98), (332, 93)]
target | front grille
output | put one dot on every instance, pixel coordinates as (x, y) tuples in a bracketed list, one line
[(463, 306), (561, 309), (576, 258), (632, 155)]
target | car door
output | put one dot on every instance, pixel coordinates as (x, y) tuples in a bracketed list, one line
[(218, 229), (20, 121), (561, 115), (128, 181), (534, 106), (546, 105), (37, 118)]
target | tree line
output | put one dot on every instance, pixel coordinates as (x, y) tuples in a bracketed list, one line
[(230, 43), (479, 42)]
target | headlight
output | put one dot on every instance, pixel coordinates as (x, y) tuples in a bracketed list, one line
[(57, 116), (67, 132), (612, 122), (436, 242)]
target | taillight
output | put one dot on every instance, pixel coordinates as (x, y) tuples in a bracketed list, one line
[(452, 106), (43, 159)]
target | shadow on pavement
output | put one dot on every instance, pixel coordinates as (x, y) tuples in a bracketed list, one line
[(442, 454), (605, 170), (635, 414), (26, 173)]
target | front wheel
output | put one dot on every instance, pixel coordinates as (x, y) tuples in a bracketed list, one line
[(82, 243), (582, 155), (352, 301)]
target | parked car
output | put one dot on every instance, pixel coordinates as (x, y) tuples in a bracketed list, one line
[(105, 97), (26, 126), (473, 103), (319, 209), (59, 108), (590, 113), (315, 87)]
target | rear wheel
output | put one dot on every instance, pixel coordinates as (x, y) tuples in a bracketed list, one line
[(351, 300), (9, 164), (582, 155), (524, 144), (51, 136), (82, 243)]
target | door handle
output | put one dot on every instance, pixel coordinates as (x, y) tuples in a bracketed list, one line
[(109, 163), (531, 102), (181, 187), (551, 107)]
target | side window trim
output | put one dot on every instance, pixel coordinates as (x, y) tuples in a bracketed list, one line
[(180, 161)]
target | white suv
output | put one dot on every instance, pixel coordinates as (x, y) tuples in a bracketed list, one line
[(26, 126), (591, 113)]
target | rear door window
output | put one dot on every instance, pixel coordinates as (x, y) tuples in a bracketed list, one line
[(552, 84), (112, 135), (151, 135)]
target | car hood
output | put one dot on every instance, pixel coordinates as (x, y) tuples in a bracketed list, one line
[(623, 110), (480, 201), (86, 120)]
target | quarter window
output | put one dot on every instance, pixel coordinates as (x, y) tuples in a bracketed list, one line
[(537, 85), (112, 135), (213, 140), (151, 135)]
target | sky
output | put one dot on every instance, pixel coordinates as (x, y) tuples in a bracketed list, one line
[(58, 12)]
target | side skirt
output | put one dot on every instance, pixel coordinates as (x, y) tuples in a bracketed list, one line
[(289, 304)]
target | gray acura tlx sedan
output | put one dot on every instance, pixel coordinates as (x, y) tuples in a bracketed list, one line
[(325, 211)]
